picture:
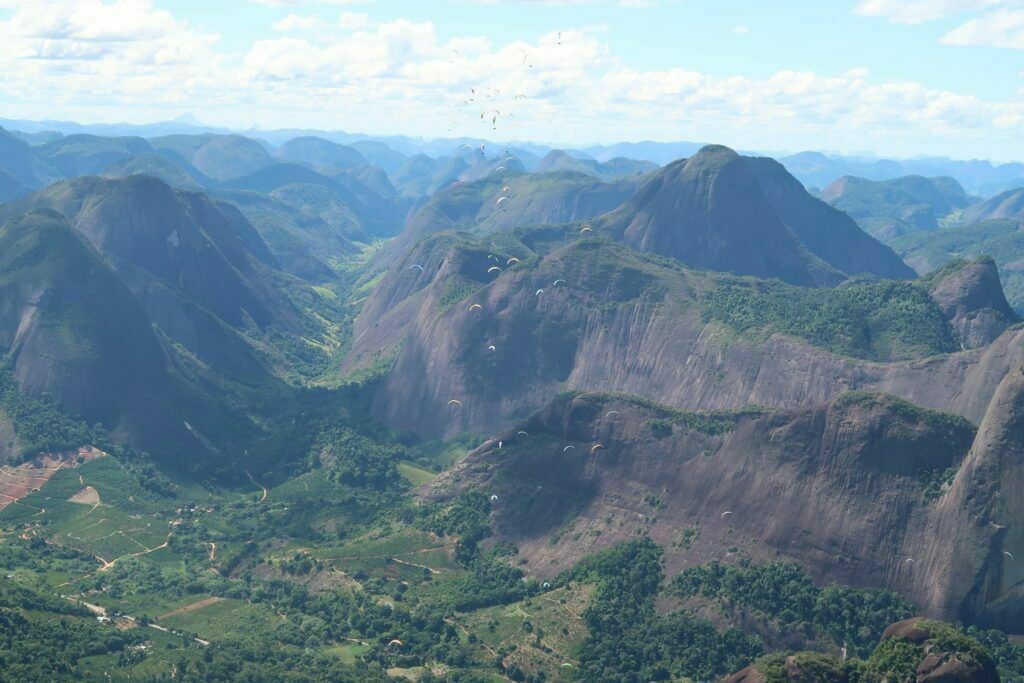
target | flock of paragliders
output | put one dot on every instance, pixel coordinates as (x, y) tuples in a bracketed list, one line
[(491, 116)]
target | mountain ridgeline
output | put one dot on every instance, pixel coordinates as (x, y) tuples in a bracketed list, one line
[(720, 211), (426, 410)]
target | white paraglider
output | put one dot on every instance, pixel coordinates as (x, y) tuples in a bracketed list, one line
[(567, 448), (595, 448), (493, 268), (416, 265), (726, 514), (539, 292), (476, 307), (455, 402)]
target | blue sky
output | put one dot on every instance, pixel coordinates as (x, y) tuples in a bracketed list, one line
[(897, 77)]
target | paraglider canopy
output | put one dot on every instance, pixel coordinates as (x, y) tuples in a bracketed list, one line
[(493, 268), (726, 514), (476, 306), (596, 447), (493, 497), (567, 448), (455, 402), (416, 265)]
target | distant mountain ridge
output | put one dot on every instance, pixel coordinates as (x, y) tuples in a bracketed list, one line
[(889, 208), (813, 168)]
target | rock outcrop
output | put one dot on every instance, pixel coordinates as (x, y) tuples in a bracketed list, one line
[(971, 297), (617, 321), (868, 490), (721, 211), (847, 489)]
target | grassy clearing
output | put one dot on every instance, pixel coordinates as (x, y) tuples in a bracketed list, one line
[(224, 620), (414, 474)]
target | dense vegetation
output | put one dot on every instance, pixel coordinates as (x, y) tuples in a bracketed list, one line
[(630, 641), (886, 320), (1003, 240), (784, 593), (39, 424)]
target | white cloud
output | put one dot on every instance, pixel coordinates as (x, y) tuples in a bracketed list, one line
[(740, 30), (72, 49), (297, 22), (308, 3), (920, 11), (123, 58), (353, 20), (999, 28)]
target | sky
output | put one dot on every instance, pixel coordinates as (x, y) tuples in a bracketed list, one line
[(892, 77)]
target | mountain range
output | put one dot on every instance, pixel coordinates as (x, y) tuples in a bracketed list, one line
[(380, 404)]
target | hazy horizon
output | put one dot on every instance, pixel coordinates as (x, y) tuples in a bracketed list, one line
[(898, 78)]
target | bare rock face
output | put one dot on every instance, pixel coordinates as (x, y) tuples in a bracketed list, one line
[(868, 490), (971, 297), (615, 321), (708, 212), (837, 488), (721, 211), (197, 268), (974, 573), (74, 332)]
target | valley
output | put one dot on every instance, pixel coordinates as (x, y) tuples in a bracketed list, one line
[(319, 411)]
